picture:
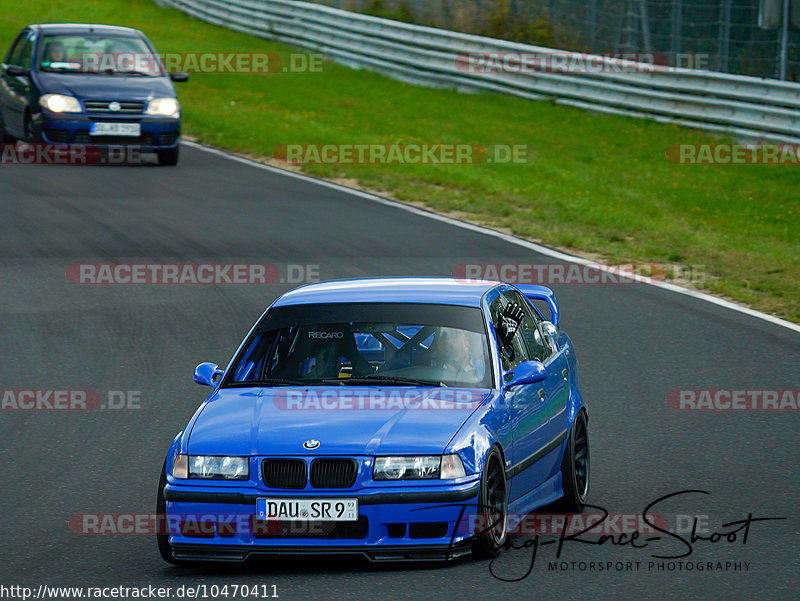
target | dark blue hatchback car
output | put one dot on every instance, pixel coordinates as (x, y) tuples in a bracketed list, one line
[(89, 84)]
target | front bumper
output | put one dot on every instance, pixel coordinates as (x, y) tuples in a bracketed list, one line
[(419, 523), (374, 554), (157, 133)]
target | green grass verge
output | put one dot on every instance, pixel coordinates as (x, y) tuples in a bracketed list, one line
[(598, 184)]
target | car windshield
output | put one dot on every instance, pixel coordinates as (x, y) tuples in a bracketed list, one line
[(360, 343), (98, 54)]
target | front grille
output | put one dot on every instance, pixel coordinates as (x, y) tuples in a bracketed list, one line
[(146, 139), (101, 106), (168, 139), (333, 473), (284, 473), (309, 529)]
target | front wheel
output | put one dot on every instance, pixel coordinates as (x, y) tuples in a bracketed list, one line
[(575, 467), (169, 157), (31, 135), (5, 138), (493, 505)]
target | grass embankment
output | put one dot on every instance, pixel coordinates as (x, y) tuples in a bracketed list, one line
[(597, 184)]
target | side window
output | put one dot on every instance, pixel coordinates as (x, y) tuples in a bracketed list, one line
[(26, 56), (538, 350), (15, 54), (516, 352)]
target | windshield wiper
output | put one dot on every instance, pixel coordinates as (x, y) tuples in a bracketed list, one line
[(393, 379), (275, 381), (126, 73)]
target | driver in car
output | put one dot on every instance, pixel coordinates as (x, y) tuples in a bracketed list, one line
[(451, 351), (55, 53)]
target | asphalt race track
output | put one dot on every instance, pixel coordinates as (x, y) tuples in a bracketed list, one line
[(635, 344)]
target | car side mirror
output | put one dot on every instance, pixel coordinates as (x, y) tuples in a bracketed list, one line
[(179, 76), (17, 71), (206, 374), (527, 372)]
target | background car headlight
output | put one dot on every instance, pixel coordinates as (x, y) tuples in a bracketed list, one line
[(421, 467), (166, 107), (211, 467), (59, 103)]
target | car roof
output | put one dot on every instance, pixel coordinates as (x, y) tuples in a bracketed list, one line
[(66, 28), (435, 290)]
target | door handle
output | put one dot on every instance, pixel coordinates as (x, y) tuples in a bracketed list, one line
[(542, 393), (565, 373)]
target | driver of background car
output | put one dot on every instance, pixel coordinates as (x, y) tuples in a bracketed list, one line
[(54, 53)]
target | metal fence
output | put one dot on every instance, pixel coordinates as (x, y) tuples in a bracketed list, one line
[(721, 35), (746, 107)]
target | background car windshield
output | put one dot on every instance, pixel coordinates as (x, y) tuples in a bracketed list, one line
[(100, 54), (311, 343)]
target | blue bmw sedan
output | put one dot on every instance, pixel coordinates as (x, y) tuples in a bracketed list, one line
[(89, 84), (391, 418)]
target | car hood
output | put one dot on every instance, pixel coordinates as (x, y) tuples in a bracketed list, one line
[(259, 421), (105, 87)]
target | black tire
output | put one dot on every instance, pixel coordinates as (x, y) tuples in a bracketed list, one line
[(575, 467), (31, 135), (161, 509), (493, 502), (5, 138), (169, 158)]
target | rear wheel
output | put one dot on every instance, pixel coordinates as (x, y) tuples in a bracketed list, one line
[(493, 504), (169, 157), (575, 467)]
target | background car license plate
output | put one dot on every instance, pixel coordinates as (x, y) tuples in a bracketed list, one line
[(115, 129), (328, 510)]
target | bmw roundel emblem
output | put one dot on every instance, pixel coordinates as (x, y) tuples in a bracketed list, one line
[(114, 106), (311, 444)]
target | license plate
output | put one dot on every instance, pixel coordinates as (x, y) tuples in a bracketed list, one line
[(322, 510), (115, 129)]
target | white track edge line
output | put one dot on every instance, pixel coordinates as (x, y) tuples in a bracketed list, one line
[(543, 250)]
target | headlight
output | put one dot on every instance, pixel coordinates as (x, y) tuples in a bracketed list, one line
[(421, 467), (211, 467), (165, 107), (60, 104)]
